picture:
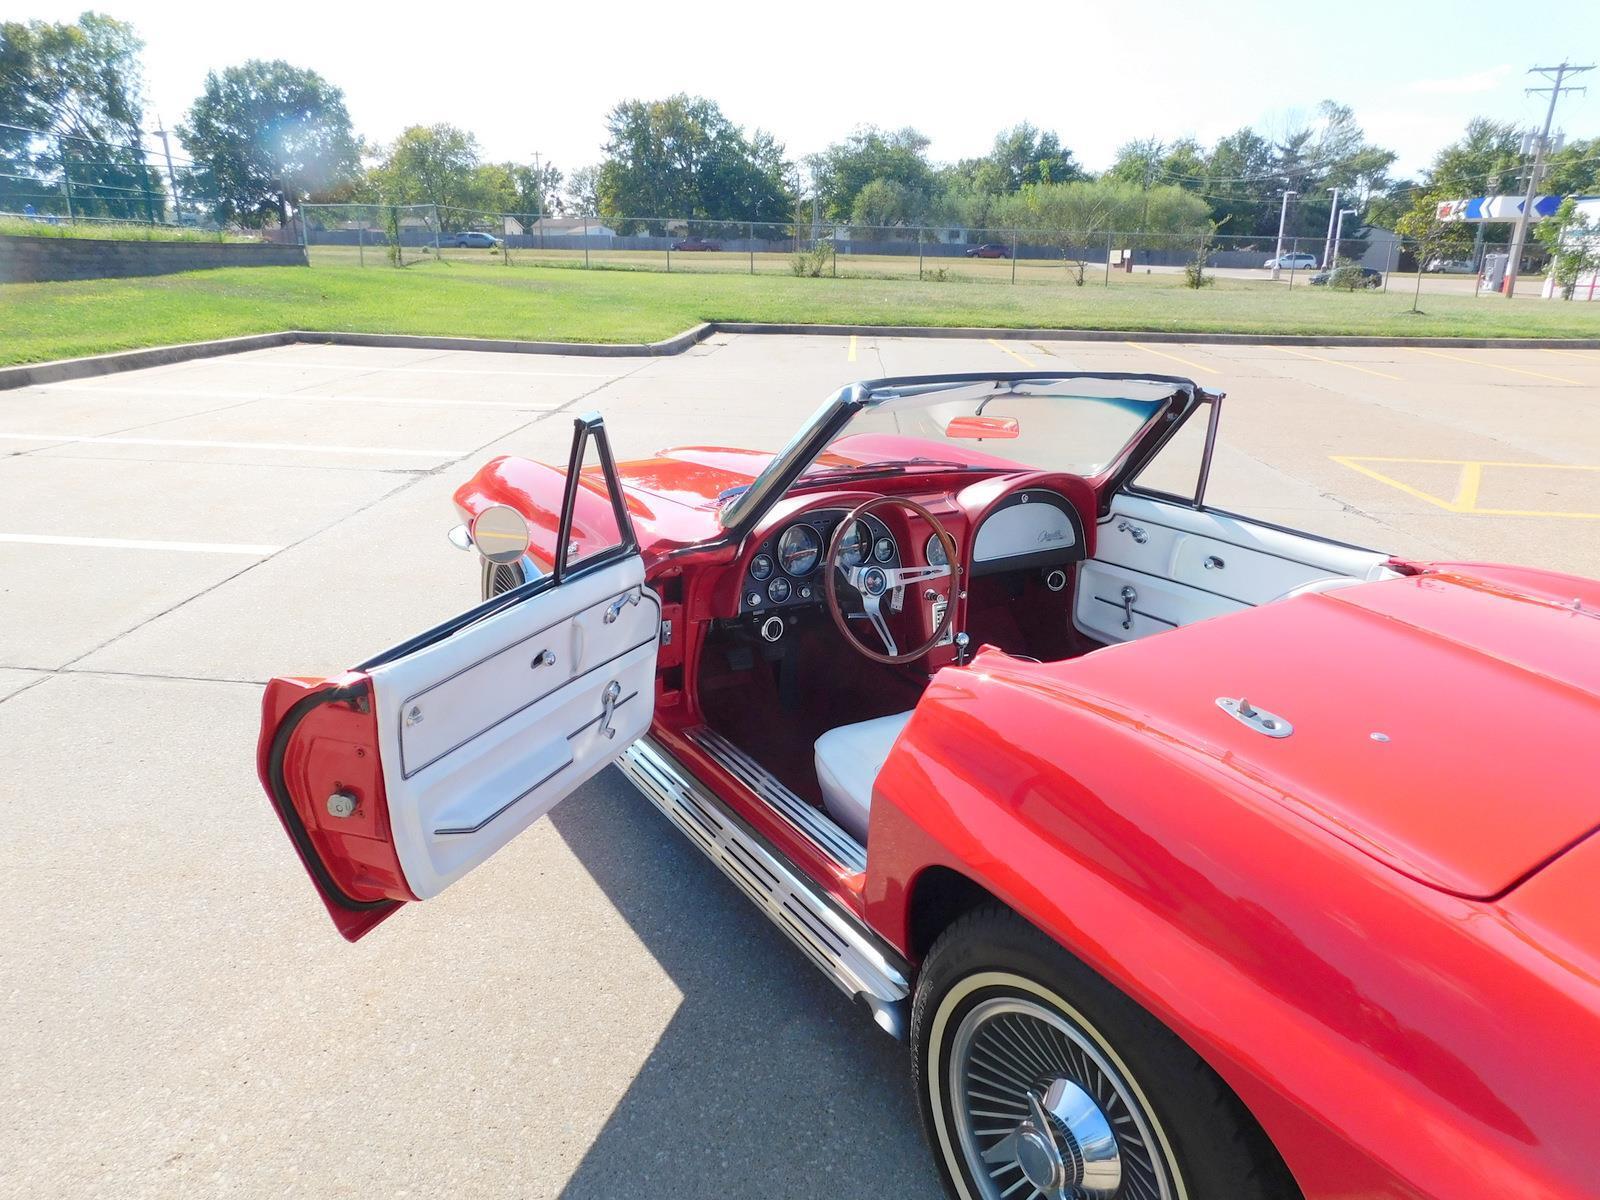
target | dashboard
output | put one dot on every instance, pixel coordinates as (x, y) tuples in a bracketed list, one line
[(786, 568)]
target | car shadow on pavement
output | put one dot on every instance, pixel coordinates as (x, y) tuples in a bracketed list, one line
[(767, 1081)]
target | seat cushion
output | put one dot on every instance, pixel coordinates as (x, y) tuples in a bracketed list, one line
[(848, 760)]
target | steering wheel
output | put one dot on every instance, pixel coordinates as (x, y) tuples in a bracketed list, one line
[(871, 583)]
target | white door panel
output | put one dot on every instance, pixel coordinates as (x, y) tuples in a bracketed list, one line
[(1186, 565), (482, 733), (1158, 604)]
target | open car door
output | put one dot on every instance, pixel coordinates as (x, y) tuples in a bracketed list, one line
[(396, 778)]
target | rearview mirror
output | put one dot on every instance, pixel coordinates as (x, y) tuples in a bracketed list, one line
[(977, 428), (500, 534)]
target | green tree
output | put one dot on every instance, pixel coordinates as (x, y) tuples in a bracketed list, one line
[(1573, 244), (681, 157), (266, 136), (440, 165), (884, 202), (840, 172), (79, 84), (1024, 154)]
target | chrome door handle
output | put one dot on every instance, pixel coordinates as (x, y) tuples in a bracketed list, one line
[(1136, 532), (545, 658), (609, 698), (621, 602), (1128, 597)]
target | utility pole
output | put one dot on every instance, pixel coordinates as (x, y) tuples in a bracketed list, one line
[(1283, 216), (1556, 75), (1327, 245), (177, 204)]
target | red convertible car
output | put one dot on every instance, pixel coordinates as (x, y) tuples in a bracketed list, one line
[(1193, 856)]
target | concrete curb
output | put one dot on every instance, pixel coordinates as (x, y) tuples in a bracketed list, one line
[(61, 370)]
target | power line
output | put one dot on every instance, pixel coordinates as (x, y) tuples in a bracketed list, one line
[(1556, 75)]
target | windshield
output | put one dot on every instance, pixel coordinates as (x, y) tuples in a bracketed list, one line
[(1078, 424)]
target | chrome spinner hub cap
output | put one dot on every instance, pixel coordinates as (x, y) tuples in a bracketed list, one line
[(1043, 1111)]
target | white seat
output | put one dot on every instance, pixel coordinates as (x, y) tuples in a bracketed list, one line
[(848, 761)]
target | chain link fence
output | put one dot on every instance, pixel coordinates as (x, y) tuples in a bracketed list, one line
[(394, 235)]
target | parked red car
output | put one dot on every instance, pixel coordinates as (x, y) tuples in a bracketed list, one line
[(689, 245), (989, 250), (1194, 856)]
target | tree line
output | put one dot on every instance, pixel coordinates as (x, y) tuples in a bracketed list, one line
[(263, 138)]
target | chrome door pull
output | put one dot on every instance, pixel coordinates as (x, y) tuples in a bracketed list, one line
[(1128, 597), (1213, 563), (545, 658), (609, 696), (620, 603)]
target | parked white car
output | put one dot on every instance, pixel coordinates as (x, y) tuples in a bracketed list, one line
[(1291, 262)]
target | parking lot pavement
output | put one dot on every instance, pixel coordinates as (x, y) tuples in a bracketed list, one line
[(595, 1012)]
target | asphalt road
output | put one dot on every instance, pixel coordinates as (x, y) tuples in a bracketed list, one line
[(595, 1012)]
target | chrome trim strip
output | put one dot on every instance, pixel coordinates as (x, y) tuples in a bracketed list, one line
[(840, 946), (815, 825)]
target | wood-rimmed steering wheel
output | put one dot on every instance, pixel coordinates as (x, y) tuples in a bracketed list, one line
[(872, 582)]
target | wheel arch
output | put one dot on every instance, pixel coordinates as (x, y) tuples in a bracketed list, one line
[(938, 896)]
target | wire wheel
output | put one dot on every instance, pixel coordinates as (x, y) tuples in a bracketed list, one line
[(1043, 1108), (499, 578)]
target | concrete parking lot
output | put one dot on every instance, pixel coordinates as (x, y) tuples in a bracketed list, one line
[(595, 1013)]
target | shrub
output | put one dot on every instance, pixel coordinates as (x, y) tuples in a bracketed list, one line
[(813, 262)]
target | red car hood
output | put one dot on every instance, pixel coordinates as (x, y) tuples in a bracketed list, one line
[(1447, 724)]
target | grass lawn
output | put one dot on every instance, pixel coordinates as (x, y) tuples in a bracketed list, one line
[(115, 231), (40, 321)]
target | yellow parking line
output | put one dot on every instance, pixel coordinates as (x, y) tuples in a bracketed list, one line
[(1582, 356), (1190, 363), (1338, 363), (1005, 349), (852, 347), (1472, 362), (1470, 481)]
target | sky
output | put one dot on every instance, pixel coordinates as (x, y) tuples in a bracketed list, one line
[(527, 78)]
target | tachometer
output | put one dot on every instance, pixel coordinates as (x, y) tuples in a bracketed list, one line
[(935, 552), (799, 549), (883, 549), (856, 546)]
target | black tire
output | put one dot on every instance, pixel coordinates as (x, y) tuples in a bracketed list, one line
[(1204, 1144)]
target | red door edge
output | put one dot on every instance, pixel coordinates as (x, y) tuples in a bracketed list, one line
[(320, 737)]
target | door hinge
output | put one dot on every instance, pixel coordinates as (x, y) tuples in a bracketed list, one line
[(666, 633)]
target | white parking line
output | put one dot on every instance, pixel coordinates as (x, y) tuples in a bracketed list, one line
[(310, 366), (113, 440), (298, 397), (34, 539)]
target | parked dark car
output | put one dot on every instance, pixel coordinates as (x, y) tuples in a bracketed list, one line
[(472, 238), (989, 250), (1369, 277), (692, 244)]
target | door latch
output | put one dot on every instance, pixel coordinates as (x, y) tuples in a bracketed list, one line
[(1128, 597), (609, 697), (621, 602), (1136, 532)]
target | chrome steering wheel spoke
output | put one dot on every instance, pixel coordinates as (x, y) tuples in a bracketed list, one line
[(873, 605)]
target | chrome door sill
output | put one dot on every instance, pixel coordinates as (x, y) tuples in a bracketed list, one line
[(841, 946), (812, 824)]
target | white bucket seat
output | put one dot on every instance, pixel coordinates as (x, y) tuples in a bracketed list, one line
[(848, 761)]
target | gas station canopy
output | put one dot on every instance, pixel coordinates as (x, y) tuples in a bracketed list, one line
[(1498, 208)]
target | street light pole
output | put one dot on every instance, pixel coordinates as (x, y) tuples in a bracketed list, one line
[(1327, 245), (1555, 74), (1338, 232), (1283, 216)]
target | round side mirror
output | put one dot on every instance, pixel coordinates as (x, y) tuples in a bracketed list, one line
[(500, 534)]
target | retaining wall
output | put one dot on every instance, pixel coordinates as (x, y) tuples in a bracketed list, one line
[(45, 259)]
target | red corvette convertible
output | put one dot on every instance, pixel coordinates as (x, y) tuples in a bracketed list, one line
[(1194, 857)]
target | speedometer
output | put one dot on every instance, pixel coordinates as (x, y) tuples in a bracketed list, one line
[(855, 546), (799, 550), (935, 551)]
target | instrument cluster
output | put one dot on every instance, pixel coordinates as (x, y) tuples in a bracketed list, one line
[(786, 567)]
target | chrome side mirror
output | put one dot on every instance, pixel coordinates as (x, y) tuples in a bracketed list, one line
[(500, 533)]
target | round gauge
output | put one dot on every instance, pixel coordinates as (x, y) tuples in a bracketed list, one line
[(761, 566), (883, 549), (799, 549), (856, 546), (778, 590), (935, 551)]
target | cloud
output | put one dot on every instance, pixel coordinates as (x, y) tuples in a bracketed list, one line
[(1465, 85)]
